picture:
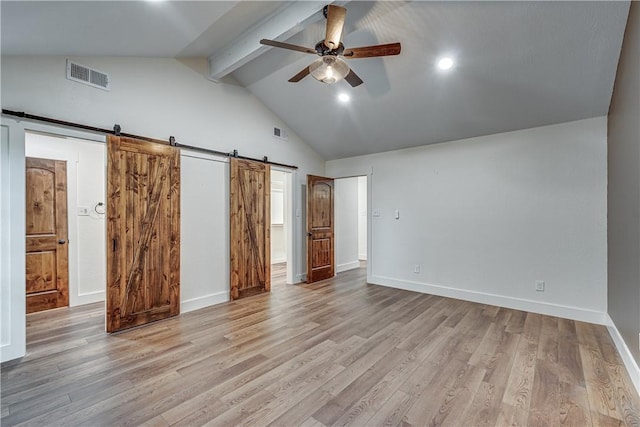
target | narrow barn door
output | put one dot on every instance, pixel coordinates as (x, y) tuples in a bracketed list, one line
[(47, 254), (320, 257), (143, 232), (250, 210)]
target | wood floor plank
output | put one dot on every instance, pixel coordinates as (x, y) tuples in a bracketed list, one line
[(356, 389), (517, 397), (312, 422), (628, 405), (391, 412), (299, 413), (157, 421), (600, 390), (336, 352), (24, 411), (234, 397), (448, 395), (195, 412), (361, 412)]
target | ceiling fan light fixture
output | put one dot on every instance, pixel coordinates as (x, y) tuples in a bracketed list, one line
[(329, 69), (343, 97), (445, 63)]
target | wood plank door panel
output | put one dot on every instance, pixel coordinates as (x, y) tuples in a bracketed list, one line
[(320, 228), (250, 222), (47, 251), (143, 232)]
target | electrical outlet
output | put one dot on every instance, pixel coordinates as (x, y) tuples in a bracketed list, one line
[(539, 285), (416, 268), (376, 212)]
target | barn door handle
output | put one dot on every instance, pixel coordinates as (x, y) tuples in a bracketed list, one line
[(62, 242), (114, 245), (309, 234)]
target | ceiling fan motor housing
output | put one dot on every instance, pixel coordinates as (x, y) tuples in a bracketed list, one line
[(323, 50)]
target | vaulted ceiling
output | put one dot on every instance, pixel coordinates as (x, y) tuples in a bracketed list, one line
[(517, 64)]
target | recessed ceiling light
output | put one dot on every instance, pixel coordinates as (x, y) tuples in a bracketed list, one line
[(445, 63), (343, 97)]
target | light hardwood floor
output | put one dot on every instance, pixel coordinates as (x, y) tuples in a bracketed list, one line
[(278, 273), (338, 352)]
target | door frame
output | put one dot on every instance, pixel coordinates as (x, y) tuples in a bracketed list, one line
[(289, 205), (73, 226), (13, 260), (339, 237), (369, 174)]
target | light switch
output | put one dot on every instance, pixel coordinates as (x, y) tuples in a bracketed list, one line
[(397, 214), (83, 211)]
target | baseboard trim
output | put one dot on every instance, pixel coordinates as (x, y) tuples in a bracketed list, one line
[(278, 260), (347, 266), (10, 352), (204, 301), (557, 310), (362, 257), (625, 353), (89, 298)]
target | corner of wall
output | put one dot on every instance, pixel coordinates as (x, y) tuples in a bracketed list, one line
[(625, 353), (347, 266), (204, 301)]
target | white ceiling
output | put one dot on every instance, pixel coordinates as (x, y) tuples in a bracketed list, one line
[(518, 64)]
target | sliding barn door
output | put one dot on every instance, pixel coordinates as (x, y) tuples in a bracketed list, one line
[(320, 244), (250, 209), (143, 232)]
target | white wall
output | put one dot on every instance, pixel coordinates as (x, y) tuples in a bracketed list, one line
[(278, 231), (278, 244), (204, 231), (487, 217), (362, 218), (624, 201), (12, 262), (85, 188), (156, 97), (346, 223), (5, 240)]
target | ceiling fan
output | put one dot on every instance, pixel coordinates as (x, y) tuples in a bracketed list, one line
[(331, 67)]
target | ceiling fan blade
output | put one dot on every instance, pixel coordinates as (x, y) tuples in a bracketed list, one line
[(371, 51), (335, 23), (287, 46), (301, 75), (353, 79)]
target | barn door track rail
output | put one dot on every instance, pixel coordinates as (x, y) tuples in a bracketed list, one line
[(118, 132)]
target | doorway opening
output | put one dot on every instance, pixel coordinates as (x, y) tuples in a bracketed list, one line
[(281, 228), (351, 223), (85, 162)]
